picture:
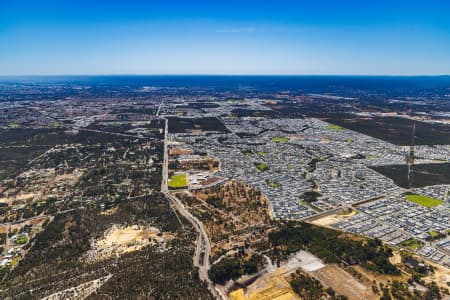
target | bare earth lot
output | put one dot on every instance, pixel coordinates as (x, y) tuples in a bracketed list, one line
[(343, 283)]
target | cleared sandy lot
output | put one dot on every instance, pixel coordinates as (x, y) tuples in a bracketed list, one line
[(119, 240), (332, 219), (343, 283)]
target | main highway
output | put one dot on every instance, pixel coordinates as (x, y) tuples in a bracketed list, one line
[(203, 248)]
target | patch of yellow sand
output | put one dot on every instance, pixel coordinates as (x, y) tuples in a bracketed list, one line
[(109, 212), (332, 219), (126, 236), (396, 258), (119, 240), (266, 288)]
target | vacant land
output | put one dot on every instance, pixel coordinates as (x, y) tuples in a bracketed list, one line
[(270, 286), (119, 240), (424, 200), (394, 129), (178, 181), (334, 218), (343, 283), (423, 174), (242, 112), (180, 151), (185, 125), (441, 275)]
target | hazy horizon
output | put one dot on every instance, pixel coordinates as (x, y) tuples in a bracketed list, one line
[(223, 75)]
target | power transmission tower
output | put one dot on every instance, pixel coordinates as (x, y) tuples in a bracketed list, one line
[(410, 157)]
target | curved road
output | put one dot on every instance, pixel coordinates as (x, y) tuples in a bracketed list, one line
[(165, 167), (203, 250)]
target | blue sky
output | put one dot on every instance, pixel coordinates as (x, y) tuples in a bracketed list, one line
[(45, 37)]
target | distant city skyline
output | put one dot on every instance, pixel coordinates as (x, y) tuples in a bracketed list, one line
[(224, 37)]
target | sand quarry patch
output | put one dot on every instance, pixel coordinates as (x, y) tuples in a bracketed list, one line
[(119, 240), (275, 283), (272, 286)]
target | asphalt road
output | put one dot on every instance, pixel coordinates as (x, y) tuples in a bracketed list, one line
[(203, 249)]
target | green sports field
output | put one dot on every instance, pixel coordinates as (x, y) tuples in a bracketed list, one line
[(335, 127), (424, 200), (178, 181), (280, 139), (261, 166)]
